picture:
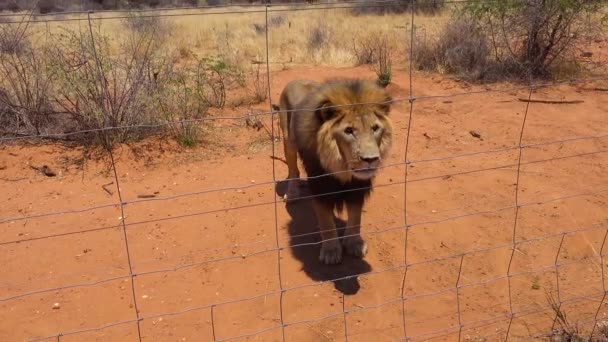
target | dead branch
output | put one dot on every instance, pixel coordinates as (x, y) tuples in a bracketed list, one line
[(551, 101), (106, 189), (279, 159)]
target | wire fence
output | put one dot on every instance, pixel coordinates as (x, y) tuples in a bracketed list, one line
[(504, 314)]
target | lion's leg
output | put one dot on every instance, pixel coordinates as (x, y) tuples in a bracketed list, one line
[(353, 243), (293, 175), (331, 250), (291, 156)]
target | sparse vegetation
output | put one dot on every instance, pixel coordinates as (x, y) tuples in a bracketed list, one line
[(384, 61), (60, 78), (260, 83)]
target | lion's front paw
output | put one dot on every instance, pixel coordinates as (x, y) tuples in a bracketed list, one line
[(293, 192), (331, 252), (355, 246)]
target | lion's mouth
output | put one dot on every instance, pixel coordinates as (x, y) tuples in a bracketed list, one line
[(365, 171)]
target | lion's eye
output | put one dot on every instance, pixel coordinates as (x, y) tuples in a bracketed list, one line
[(375, 127), (349, 130)]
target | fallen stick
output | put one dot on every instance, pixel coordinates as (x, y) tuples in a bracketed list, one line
[(552, 101), (106, 189), (279, 159)]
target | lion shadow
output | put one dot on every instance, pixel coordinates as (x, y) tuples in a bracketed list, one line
[(305, 245)]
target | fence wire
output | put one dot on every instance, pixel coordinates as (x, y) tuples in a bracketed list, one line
[(403, 299)]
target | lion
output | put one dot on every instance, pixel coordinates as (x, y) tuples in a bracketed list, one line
[(342, 131)]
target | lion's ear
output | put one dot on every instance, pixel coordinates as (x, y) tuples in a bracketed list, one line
[(325, 111), (385, 106)]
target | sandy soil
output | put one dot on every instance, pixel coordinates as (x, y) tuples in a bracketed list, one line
[(209, 260)]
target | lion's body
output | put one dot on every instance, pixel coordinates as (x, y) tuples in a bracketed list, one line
[(340, 145)]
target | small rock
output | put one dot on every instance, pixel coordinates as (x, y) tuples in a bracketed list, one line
[(56, 306), (475, 134), (586, 54)]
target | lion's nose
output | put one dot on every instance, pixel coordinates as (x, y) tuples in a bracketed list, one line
[(370, 160)]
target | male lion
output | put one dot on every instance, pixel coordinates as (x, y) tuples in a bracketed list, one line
[(341, 130)]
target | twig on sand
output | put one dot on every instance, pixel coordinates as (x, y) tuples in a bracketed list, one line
[(552, 101), (106, 189)]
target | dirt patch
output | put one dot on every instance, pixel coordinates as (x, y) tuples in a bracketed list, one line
[(204, 248)]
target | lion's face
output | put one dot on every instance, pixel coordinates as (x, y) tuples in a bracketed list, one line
[(361, 139), (353, 140)]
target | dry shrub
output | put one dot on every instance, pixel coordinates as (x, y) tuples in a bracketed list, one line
[(180, 103), (100, 89), (216, 77), (13, 38), (529, 38), (318, 37), (420, 6), (376, 50), (273, 22), (460, 48), (364, 49), (384, 61), (24, 83), (260, 83)]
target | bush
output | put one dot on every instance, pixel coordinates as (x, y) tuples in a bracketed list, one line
[(461, 48), (384, 61), (180, 104), (364, 50), (376, 50), (275, 21), (533, 35), (24, 83), (318, 36), (100, 89), (13, 38), (420, 6), (260, 84)]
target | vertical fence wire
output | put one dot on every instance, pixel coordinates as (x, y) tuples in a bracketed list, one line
[(405, 162), (274, 176), (457, 286), (517, 206), (603, 278), (119, 192), (557, 287)]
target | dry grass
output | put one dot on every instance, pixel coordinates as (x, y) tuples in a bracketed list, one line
[(240, 38)]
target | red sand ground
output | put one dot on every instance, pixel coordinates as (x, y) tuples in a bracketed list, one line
[(200, 264)]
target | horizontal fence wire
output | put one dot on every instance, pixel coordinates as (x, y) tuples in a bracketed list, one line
[(269, 113), (403, 299), (259, 184)]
